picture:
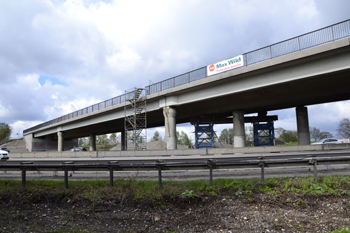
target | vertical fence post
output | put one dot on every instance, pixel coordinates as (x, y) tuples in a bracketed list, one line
[(24, 177), (24, 170), (65, 168), (159, 166), (313, 162), (332, 33), (66, 177), (315, 170), (211, 165), (299, 43), (111, 169), (111, 176), (262, 165)]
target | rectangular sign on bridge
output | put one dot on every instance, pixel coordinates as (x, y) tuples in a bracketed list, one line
[(225, 65)]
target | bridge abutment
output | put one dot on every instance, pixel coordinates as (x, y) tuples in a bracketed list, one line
[(170, 127), (303, 125), (238, 128)]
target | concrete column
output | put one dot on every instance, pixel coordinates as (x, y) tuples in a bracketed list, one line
[(170, 127), (92, 142), (303, 126), (123, 140), (60, 136), (238, 128)]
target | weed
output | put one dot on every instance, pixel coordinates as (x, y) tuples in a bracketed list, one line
[(300, 202), (158, 197), (138, 196), (316, 189), (188, 194), (341, 230), (213, 193)]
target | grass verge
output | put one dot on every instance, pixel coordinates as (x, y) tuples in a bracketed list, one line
[(95, 191)]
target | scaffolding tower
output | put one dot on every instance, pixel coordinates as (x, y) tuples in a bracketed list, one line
[(204, 135), (135, 122), (264, 134)]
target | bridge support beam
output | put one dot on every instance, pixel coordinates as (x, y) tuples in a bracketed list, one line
[(92, 142), (123, 140), (238, 128), (303, 126), (60, 136), (170, 128)]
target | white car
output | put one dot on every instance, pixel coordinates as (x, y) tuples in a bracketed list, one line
[(4, 154), (326, 141)]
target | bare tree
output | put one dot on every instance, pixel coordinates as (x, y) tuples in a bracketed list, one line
[(315, 133), (344, 128)]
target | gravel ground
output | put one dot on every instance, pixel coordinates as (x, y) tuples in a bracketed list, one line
[(203, 213)]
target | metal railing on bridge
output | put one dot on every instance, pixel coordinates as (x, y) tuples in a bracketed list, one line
[(295, 44)]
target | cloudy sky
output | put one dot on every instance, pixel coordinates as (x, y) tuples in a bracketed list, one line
[(63, 55)]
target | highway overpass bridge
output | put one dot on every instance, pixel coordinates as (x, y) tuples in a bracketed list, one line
[(313, 68)]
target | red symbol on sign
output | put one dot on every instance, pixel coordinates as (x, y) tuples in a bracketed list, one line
[(211, 68)]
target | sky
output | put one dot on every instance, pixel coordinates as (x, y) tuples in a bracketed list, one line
[(60, 56)]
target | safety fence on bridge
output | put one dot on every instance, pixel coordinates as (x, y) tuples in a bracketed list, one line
[(296, 44), (174, 164)]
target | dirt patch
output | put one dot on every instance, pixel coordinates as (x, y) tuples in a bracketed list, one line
[(230, 212)]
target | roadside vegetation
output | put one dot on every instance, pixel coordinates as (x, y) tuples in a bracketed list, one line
[(97, 190), (132, 205)]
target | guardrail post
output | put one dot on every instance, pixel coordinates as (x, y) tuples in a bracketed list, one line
[(313, 162), (24, 170), (24, 176), (111, 168), (66, 177), (315, 170), (66, 173), (211, 164), (159, 166), (262, 165)]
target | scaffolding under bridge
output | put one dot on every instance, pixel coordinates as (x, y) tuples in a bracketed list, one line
[(135, 119)]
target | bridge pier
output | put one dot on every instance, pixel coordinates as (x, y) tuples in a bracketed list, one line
[(60, 143), (123, 140), (303, 125), (92, 142), (170, 128), (238, 128)]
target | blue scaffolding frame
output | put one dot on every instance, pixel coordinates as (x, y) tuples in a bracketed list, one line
[(204, 135), (264, 134)]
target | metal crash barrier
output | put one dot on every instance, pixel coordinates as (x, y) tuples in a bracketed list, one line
[(189, 163)]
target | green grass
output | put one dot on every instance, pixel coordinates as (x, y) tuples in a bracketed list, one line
[(340, 231), (95, 190), (289, 144)]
